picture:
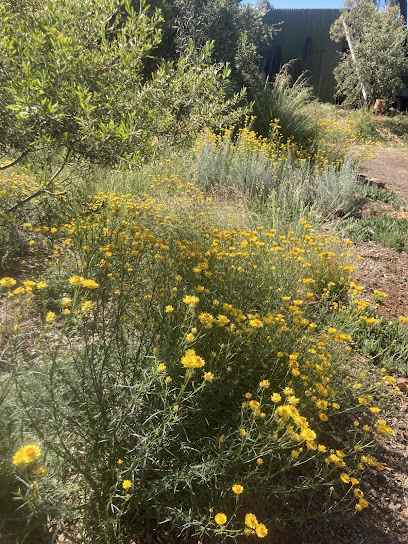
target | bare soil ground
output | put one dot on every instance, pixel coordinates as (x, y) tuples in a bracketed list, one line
[(383, 268)]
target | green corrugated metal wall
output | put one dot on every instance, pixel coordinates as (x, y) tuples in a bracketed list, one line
[(303, 29)]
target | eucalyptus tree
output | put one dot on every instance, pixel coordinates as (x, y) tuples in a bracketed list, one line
[(376, 56)]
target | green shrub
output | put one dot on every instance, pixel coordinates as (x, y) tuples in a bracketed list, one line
[(286, 102), (385, 229), (380, 193), (364, 125), (177, 357)]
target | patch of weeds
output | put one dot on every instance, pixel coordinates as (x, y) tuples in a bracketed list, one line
[(379, 193), (364, 125), (386, 229), (398, 125), (379, 339)]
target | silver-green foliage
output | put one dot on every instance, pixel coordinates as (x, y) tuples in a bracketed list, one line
[(274, 176), (378, 43)]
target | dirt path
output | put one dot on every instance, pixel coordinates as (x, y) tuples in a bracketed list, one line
[(384, 268), (389, 166)]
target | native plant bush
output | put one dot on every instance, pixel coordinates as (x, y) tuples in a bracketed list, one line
[(280, 176), (181, 372), (286, 102), (73, 88), (376, 55)]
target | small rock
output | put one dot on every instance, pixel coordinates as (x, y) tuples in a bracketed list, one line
[(402, 383)]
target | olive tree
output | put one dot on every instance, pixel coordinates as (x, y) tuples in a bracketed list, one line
[(376, 52), (74, 89)]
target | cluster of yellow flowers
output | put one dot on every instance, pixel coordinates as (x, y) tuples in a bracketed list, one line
[(192, 360), (15, 182), (238, 301), (80, 281), (252, 526), (336, 140), (26, 455)]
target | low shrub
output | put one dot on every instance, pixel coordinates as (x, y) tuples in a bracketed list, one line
[(380, 193), (385, 229), (181, 373), (379, 339), (277, 176)]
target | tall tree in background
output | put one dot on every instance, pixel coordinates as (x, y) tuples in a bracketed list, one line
[(377, 51), (237, 31)]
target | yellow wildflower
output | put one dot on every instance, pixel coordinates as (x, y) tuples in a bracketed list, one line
[(251, 521), (49, 318), (255, 323), (89, 284), (27, 454), (237, 489), (75, 280), (261, 530), (191, 301), (66, 302), (42, 285), (307, 434), (40, 472), (276, 397), (208, 376), (87, 306), (7, 282), (192, 360), (220, 519)]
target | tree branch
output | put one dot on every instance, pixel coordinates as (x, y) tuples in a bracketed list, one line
[(28, 198), (10, 164), (43, 190), (60, 169)]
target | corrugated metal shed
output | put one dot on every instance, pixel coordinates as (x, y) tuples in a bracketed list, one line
[(305, 37)]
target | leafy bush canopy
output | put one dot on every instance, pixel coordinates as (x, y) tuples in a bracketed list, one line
[(376, 58), (72, 83)]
